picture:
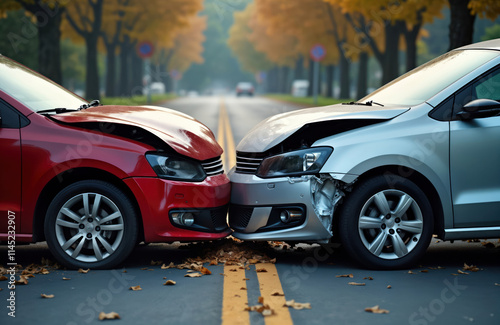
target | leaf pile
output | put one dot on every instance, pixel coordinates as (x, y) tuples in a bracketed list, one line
[(229, 251)]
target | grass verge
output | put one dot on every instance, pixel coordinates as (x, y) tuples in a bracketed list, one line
[(307, 101), (137, 100)]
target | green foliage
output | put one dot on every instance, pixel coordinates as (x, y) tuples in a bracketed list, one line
[(491, 33), (19, 39)]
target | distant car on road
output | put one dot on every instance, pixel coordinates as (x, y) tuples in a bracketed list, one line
[(93, 180), (417, 157), (244, 88)]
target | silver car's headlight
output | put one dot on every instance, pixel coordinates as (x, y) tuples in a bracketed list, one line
[(176, 168), (295, 163)]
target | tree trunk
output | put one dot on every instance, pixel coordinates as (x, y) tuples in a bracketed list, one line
[(311, 78), (345, 82), (137, 75), (49, 38), (92, 78), (330, 74), (461, 23), (411, 46), (361, 88), (390, 67), (299, 68), (284, 76), (111, 70), (124, 82)]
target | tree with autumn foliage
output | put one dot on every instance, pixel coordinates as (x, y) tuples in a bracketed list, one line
[(463, 16), (46, 16), (307, 22), (122, 24), (185, 49), (389, 20)]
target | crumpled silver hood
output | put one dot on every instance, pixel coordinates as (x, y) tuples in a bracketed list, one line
[(277, 128)]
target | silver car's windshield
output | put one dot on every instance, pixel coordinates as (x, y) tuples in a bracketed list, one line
[(33, 90), (427, 80)]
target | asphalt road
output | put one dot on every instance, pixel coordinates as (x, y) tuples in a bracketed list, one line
[(439, 291)]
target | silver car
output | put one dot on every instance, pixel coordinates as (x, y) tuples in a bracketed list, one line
[(419, 156)]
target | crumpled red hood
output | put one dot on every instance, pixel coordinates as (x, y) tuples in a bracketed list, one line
[(181, 132)]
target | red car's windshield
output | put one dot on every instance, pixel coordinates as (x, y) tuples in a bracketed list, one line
[(33, 90)]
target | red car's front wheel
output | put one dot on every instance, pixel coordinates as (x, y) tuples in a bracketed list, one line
[(91, 224)]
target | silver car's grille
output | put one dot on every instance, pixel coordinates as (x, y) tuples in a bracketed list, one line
[(248, 163), (213, 166)]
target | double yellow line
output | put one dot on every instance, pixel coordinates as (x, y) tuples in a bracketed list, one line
[(235, 298), (225, 137)]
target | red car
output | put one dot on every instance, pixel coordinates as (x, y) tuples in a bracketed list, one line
[(93, 181)]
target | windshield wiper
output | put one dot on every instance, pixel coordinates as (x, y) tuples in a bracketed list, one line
[(55, 110), (93, 103), (368, 103)]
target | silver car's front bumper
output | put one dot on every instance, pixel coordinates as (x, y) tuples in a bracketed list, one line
[(253, 200)]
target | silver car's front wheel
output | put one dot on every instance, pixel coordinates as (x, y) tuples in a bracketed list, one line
[(91, 224), (390, 224), (386, 223)]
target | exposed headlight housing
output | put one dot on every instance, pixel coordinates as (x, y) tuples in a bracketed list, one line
[(176, 168), (295, 163)]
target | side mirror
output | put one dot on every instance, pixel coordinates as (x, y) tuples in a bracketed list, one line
[(479, 108)]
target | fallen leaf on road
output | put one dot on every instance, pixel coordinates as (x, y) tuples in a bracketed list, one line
[(3, 278), (497, 284), (169, 283), (265, 310), (356, 284), (253, 261), (171, 265), (23, 279), (192, 275), (261, 270), (136, 288), (471, 268), (411, 272), (277, 294), (111, 315), (297, 305), (424, 271), (345, 276), (462, 272), (83, 271), (205, 271), (376, 310), (47, 296), (488, 244), (66, 278), (389, 286), (243, 288), (233, 270), (213, 262), (368, 278)]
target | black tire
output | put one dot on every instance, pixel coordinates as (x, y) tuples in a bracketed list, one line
[(386, 223), (84, 238)]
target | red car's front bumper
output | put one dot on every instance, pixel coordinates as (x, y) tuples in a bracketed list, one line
[(159, 198)]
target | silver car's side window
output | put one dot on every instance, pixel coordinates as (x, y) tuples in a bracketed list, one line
[(487, 87)]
